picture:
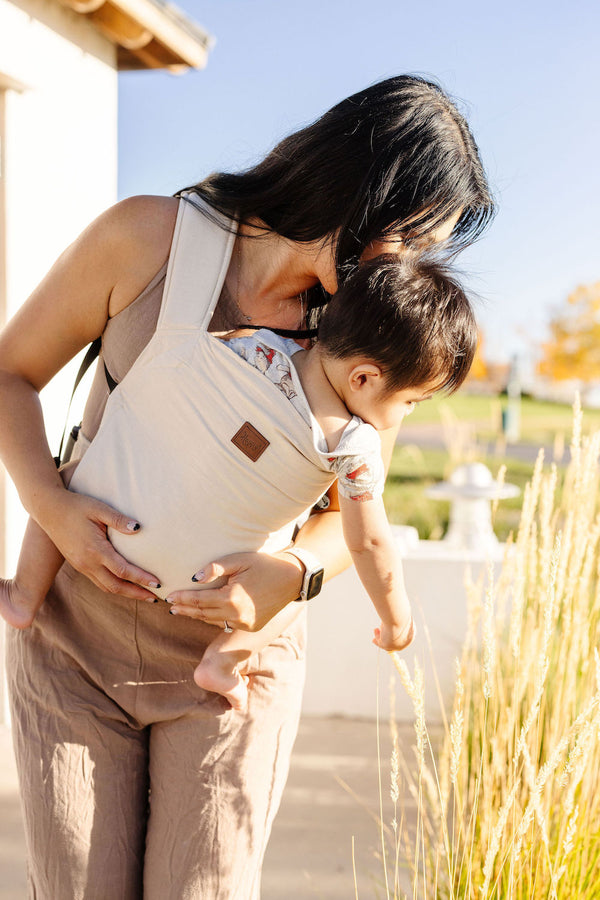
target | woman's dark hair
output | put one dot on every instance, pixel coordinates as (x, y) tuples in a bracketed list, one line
[(408, 315), (396, 157)]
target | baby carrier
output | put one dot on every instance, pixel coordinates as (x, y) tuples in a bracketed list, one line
[(195, 444)]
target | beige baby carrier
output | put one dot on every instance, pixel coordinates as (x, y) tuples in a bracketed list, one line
[(196, 444)]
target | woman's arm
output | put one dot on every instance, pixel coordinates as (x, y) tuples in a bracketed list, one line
[(95, 278), (258, 585)]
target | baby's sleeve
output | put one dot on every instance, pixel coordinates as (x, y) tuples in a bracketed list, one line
[(358, 465)]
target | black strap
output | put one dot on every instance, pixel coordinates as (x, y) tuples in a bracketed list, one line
[(109, 379), (283, 332), (92, 353)]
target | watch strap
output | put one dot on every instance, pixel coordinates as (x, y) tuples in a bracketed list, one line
[(312, 567)]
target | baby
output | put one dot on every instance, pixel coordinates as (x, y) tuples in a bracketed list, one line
[(395, 333)]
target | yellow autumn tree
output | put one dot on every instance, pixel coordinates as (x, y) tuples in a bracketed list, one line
[(479, 369), (573, 349)]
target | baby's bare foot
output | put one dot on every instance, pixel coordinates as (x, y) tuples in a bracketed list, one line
[(230, 684), (17, 607)]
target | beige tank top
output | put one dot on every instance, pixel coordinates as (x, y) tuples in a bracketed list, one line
[(124, 338), (199, 446)]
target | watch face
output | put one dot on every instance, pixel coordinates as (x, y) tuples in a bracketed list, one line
[(315, 584)]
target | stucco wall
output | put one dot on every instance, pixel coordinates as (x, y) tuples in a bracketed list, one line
[(60, 158), (348, 676), (59, 164)]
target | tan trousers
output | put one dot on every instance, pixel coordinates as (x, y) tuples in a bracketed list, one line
[(136, 783)]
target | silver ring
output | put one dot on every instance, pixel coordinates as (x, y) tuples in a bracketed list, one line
[(228, 629)]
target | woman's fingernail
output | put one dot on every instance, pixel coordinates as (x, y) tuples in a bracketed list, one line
[(153, 584), (150, 599), (199, 576), (169, 600), (173, 611), (133, 526)]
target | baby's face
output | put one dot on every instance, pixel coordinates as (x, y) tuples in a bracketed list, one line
[(388, 409)]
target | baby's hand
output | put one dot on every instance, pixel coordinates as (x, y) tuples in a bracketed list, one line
[(394, 637)]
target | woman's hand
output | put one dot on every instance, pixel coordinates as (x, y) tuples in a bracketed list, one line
[(78, 529), (254, 587)]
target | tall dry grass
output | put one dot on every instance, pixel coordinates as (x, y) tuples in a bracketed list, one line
[(510, 810)]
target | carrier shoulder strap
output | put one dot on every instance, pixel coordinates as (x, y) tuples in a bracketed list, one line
[(200, 253), (198, 262)]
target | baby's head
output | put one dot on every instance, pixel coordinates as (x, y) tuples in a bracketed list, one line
[(396, 332)]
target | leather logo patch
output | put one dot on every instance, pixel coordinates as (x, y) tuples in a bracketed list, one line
[(250, 441)]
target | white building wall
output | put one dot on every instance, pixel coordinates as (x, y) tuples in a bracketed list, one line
[(348, 676), (59, 164), (60, 158)]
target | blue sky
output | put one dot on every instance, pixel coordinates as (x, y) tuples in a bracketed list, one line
[(526, 74)]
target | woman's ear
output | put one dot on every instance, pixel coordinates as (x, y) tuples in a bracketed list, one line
[(364, 376)]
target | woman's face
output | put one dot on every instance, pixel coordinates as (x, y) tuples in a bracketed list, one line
[(391, 244)]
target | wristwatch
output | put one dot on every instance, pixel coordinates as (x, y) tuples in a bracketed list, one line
[(313, 572)]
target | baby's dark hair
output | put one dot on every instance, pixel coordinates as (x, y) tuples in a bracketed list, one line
[(409, 315)]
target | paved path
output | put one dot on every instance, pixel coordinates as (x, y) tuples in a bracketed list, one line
[(430, 436), (12, 841), (310, 853)]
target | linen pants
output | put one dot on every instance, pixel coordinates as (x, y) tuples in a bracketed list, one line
[(135, 782)]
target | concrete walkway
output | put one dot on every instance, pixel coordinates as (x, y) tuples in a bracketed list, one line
[(12, 841), (430, 436), (310, 853)]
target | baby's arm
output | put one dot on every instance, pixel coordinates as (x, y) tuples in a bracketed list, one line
[(370, 542)]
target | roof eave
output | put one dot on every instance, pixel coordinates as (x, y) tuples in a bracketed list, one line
[(149, 34)]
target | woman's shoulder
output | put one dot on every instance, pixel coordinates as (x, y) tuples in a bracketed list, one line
[(139, 231), (150, 212)]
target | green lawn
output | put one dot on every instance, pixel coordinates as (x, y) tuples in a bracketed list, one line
[(413, 469), (541, 422)]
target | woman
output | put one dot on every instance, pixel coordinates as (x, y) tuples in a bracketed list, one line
[(149, 786)]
